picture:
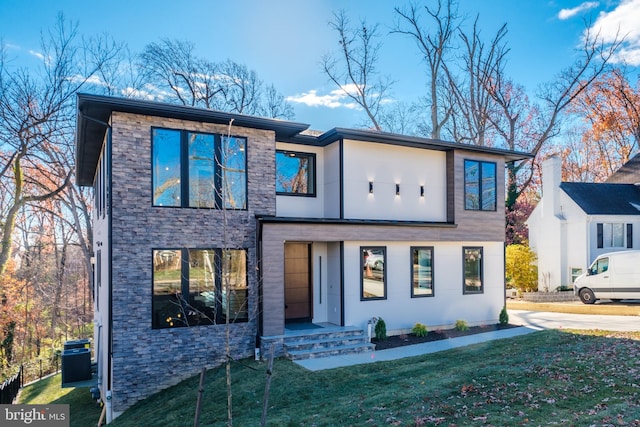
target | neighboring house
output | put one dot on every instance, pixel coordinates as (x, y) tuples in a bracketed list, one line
[(575, 222), (196, 208)]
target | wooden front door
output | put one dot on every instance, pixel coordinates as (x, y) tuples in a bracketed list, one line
[(297, 281)]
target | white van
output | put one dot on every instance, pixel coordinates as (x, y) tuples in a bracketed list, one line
[(612, 276)]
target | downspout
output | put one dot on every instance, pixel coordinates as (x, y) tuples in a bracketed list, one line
[(110, 267), (587, 246), (259, 285)]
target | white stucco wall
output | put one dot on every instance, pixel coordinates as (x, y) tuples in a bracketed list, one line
[(332, 180), (448, 304), (386, 166), (333, 304)]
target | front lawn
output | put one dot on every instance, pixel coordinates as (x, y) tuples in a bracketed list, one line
[(571, 378)]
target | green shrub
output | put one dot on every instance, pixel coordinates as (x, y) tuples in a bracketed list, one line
[(381, 330), (420, 330), (521, 268), (461, 325), (504, 316)]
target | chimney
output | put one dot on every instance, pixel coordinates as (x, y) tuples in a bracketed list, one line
[(551, 179)]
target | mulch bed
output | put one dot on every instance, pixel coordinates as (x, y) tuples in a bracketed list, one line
[(442, 334)]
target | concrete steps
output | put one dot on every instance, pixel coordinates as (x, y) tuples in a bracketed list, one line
[(316, 343)]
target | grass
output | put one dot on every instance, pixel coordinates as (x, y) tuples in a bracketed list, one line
[(83, 410), (545, 378)]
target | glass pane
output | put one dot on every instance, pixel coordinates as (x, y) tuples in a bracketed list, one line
[(234, 172), (294, 173), (488, 186), (202, 171), (618, 236), (471, 185), (167, 289), (472, 270), (166, 167), (234, 285), (422, 271), (202, 287), (373, 279)]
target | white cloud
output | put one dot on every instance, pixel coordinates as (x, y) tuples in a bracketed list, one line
[(335, 99), (148, 93), (93, 80), (621, 22), (569, 13), (37, 54)]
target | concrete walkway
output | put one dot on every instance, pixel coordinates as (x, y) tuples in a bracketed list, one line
[(331, 362)]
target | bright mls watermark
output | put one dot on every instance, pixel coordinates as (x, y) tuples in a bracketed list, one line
[(34, 415)]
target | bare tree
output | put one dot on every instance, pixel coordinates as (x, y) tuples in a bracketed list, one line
[(36, 114), (532, 127), (433, 46), (353, 70), (480, 64), (174, 73)]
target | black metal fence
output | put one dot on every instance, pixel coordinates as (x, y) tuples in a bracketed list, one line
[(10, 388)]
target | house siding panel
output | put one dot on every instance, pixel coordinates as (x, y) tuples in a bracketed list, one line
[(170, 355)]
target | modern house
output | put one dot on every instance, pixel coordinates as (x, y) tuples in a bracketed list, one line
[(207, 220), (575, 222)]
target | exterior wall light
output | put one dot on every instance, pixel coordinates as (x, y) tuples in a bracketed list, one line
[(370, 187), (422, 191), (397, 189)]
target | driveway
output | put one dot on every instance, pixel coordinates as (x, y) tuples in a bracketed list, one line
[(550, 320)]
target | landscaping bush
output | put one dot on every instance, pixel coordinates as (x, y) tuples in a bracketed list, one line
[(504, 316), (520, 268), (381, 330), (420, 330), (461, 325)]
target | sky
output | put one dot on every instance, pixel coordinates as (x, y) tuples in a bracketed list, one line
[(283, 41)]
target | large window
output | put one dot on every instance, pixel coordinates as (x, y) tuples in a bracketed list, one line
[(295, 173), (199, 287), (373, 278), (480, 185), (198, 170), (422, 271), (472, 270)]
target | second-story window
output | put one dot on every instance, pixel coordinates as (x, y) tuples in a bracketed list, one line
[(198, 170), (295, 173), (479, 185)]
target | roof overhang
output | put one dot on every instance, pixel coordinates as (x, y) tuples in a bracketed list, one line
[(94, 113), (416, 142)]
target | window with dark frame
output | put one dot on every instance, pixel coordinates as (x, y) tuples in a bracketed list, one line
[(201, 170), (295, 173), (373, 278), (194, 287), (422, 272), (472, 270), (612, 235), (480, 186)]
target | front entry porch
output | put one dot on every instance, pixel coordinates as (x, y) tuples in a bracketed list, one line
[(306, 341)]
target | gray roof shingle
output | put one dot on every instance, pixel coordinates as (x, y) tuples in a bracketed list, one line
[(629, 173), (604, 198)]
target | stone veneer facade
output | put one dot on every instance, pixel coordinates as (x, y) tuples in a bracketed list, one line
[(147, 360)]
